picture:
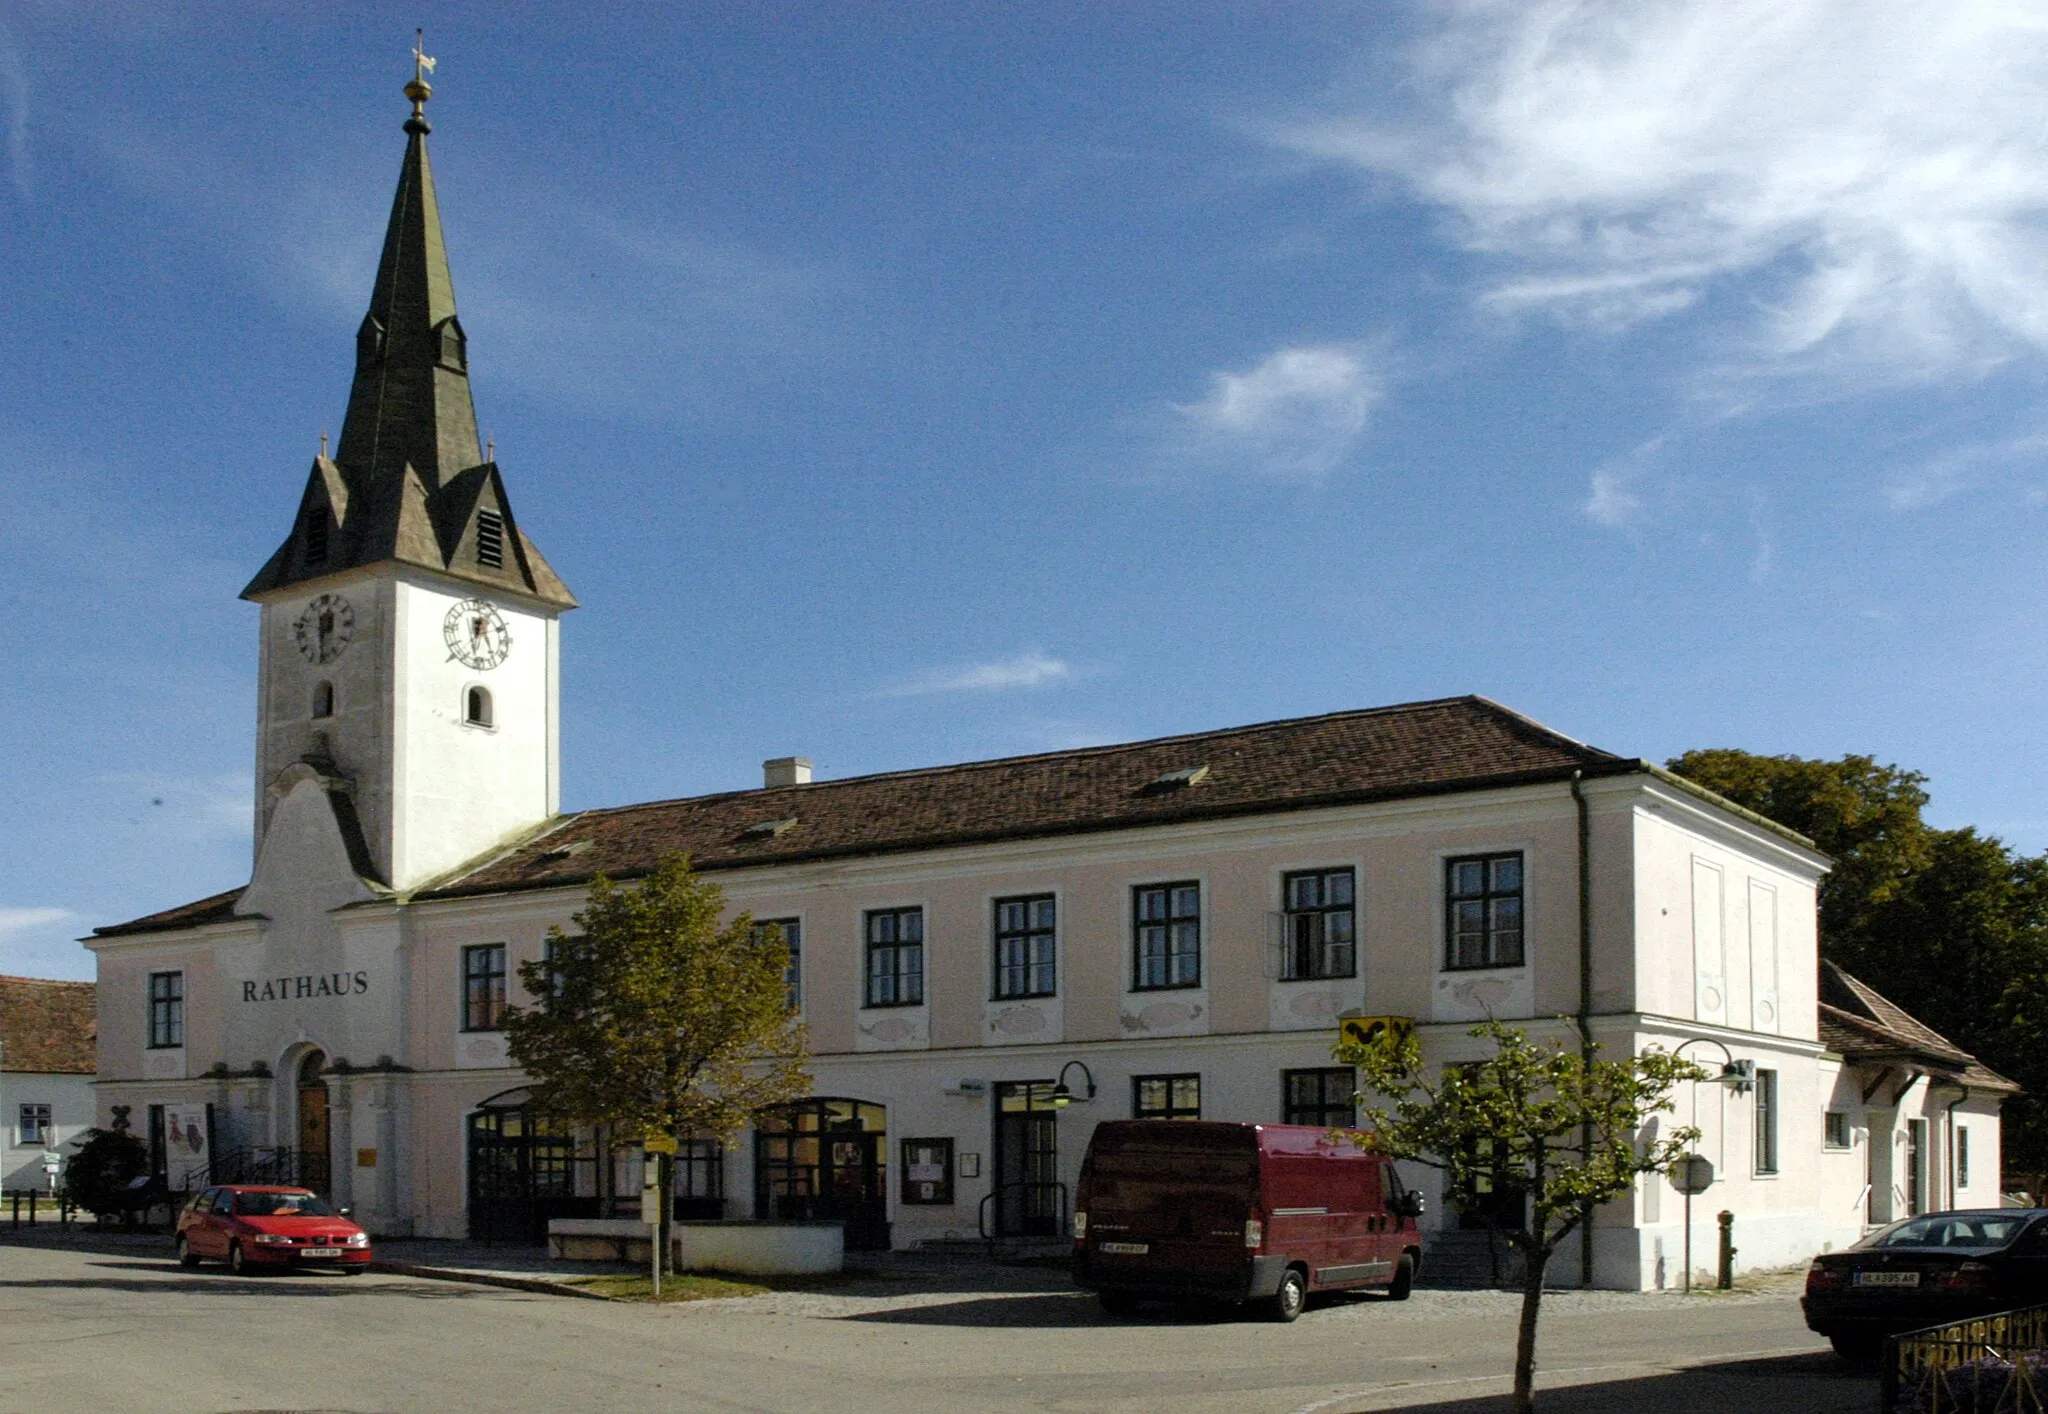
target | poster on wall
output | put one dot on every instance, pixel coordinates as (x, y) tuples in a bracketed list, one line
[(188, 1144)]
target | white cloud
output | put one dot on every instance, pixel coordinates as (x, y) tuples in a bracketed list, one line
[(1616, 498), (1297, 413), (1028, 669), (1864, 179), (15, 921), (1941, 477)]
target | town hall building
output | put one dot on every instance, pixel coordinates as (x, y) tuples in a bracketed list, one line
[(990, 957)]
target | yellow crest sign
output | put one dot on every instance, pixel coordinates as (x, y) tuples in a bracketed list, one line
[(1376, 1030)]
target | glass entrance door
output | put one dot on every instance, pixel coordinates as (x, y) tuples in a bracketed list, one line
[(825, 1158), (1028, 1199)]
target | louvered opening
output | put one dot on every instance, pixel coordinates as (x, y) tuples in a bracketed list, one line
[(490, 540), (316, 536)]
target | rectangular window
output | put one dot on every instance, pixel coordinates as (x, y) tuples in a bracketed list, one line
[(490, 539), (166, 1010), (895, 951), (1483, 911), (1962, 1157), (1167, 936), (1835, 1131), (35, 1125), (483, 987), (1321, 924), (1024, 947), (1166, 1097), (790, 932), (1319, 1097), (698, 1170), (1767, 1121)]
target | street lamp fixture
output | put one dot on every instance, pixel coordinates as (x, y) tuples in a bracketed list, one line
[(1062, 1096)]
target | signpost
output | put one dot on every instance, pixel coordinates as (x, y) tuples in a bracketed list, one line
[(1692, 1174), (653, 1198)]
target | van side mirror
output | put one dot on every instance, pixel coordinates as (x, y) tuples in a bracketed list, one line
[(1411, 1204)]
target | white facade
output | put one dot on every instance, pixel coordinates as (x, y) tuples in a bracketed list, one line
[(41, 1112)]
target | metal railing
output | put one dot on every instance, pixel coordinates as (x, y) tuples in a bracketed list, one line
[(22, 1204), (1991, 1363), (1037, 1204)]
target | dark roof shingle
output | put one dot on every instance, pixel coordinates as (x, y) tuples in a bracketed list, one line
[(48, 1027), (1860, 1023)]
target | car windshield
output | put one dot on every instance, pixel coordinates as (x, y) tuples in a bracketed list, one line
[(282, 1205), (1949, 1230)]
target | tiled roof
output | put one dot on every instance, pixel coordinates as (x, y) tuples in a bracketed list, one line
[(1386, 753), (48, 1027), (1383, 753), (1860, 1023)]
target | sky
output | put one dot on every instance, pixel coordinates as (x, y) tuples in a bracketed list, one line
[(925, 382)]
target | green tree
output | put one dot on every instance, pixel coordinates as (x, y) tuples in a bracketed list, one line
[(107, 1161), (1560, 1130), (659, 1015)]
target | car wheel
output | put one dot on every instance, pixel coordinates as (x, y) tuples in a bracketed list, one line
[(186, 1256), (1118, 1303), (236, 1263), (1404, 1279), (1291, 1299), (1858, 1347)]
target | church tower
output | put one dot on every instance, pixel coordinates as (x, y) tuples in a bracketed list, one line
[(410, 666)]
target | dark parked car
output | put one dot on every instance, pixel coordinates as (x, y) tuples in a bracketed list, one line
[(1925, 1271)]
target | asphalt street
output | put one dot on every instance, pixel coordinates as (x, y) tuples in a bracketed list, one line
[(111, 1325)]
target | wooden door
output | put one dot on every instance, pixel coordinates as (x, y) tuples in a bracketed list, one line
[(315, 1165)]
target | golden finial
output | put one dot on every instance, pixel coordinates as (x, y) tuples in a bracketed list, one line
[(419, 90)]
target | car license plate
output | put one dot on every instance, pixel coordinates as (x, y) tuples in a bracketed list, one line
[(1125, 1249), (1887, 1278), (320, 1252)]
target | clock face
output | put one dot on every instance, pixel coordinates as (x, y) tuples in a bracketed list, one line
[(476, 634), (323, 628)]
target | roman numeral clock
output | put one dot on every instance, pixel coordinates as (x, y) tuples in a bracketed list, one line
[(476, 634)]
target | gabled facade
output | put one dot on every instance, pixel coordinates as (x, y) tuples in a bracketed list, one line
[(48, 1058)]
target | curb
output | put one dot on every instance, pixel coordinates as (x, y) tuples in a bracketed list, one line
[(538, 1284)]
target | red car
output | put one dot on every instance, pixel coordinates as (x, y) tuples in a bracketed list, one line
[(251, 1228)]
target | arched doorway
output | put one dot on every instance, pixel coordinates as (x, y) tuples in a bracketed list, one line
[(315, 1156), (825, 1158), (522, 1171)]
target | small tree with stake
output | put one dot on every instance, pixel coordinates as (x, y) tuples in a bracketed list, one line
[(659, 1016), (1554, 1128)]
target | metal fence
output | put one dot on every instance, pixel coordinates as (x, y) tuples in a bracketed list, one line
[(1989, 1365)]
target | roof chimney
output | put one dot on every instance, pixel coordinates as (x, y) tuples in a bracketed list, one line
[(786, 771)]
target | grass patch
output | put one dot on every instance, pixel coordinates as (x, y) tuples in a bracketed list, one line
[(682, 1286)]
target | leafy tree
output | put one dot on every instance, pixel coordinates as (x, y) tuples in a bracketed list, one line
[(656, 1017), (107, 1161), (1559, 1130)]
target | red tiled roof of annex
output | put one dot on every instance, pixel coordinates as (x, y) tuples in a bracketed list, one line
[(48, 1027)]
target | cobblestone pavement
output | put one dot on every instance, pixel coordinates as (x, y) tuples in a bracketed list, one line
[(96, 1323)]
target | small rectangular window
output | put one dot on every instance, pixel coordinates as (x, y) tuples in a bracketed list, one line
[(1767, 1121), (483, 987), (697, 1178), (316, 536), (1024, 936), (490, 539), (1166, 1097), (1166, 943), (166, 1010), (35, 1125), (1962, 1157), (1483, 911), (1321, 925), (895, 957), (1323, 1097), (790, 933), (1835, 1133)]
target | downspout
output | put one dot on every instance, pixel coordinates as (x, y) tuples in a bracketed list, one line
[(1585, 996)]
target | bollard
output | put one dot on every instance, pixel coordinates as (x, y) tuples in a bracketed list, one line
[(1726, 1277)]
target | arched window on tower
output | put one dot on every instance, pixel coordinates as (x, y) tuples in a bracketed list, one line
[(323, 700), (476, 707)]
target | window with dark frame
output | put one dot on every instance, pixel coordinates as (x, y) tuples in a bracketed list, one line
[(1483, 911), (790, 933), (166, 1010), (476, 707), (490, 539), (1325, 1097), (483, 987), (35, 1125), (1166, 941), (698, 1170), (1835, 1129), (1962, 1157), (1166, 1097), (1767, 1121), (1321, 925), (1024, 953), (895, 957)]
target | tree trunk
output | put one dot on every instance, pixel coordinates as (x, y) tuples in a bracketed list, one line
[(1533, 1265)]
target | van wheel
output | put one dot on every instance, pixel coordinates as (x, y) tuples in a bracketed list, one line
[(186, 1256), (1404, 1279), (1117, 1303), (1291, 1299)]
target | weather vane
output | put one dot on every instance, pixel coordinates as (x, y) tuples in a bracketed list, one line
[(419, 90), (422, 62)]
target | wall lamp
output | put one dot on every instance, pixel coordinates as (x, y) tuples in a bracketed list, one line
[(1062, 1096)]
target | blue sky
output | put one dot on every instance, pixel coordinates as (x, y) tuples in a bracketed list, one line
[(916, 383)]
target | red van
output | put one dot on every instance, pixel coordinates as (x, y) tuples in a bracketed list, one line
[(1239, 1212)]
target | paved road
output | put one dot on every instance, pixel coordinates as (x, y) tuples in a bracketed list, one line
[(101, 1325)]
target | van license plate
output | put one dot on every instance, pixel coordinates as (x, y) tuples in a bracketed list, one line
[(321, 1252), (1125, 1249), (1887, 1278)]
